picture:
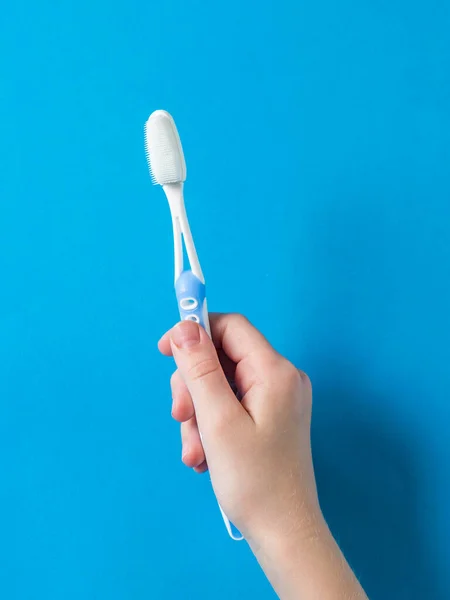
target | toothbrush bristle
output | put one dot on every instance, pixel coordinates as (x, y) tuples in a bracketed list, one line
[(163, 149), (147, 156)]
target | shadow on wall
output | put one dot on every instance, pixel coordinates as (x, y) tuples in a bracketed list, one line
[(369, 486)]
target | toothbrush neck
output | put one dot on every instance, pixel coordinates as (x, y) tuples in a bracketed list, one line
[(174, 193)]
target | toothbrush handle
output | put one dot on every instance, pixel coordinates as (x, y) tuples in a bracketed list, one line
[(191, 297)]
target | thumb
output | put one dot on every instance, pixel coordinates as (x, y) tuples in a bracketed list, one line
[(199, 367)]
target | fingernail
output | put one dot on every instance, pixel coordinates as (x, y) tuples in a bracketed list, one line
[(186, 334)]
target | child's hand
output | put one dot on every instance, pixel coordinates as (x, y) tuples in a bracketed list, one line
[(257, 450)]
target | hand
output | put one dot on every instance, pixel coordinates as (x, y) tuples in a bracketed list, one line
[(257, 450)]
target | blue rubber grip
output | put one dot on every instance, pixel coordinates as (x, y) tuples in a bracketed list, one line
[(191, 294)]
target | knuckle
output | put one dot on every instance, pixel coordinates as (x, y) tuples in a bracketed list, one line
[(306, 381), (174, 383), (292, 377), (238, 319), (203, 368), (180, 392), (275, 367)]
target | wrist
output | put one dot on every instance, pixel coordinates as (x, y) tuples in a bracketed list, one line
[(305, 561), (289, 532)]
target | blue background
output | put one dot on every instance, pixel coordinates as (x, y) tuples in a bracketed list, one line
[(317, 137)]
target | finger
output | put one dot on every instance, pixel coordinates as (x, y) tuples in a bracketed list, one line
[(256, 360), (164, 344), (238, 337), (235, 337), (182, 407), (199, 366), (231, 332), (201, 468), (228, 365), (192, 453)]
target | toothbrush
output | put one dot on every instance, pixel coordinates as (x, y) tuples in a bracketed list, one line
[(168, 169)]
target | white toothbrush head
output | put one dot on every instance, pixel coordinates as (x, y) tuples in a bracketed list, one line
[(163, 148)]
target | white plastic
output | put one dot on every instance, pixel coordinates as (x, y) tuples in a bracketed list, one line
[(188, 304), (168, 169), (163, 148), (182, 231)]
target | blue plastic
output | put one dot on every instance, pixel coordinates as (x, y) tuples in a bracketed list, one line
[(191, 294)]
